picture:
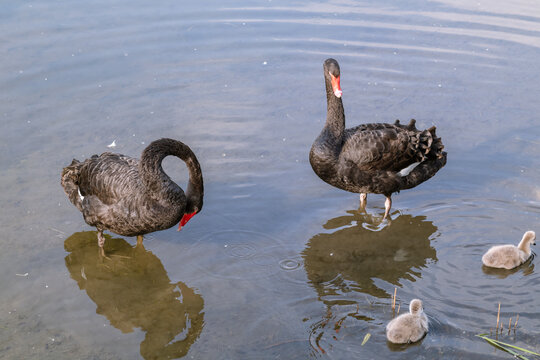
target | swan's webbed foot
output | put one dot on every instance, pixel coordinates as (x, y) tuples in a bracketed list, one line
[(101, 238), (101, 243)]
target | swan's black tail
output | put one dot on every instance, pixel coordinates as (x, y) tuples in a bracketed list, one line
[(70, 183), (425, 144)]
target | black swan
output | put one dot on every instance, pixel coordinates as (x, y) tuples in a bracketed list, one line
[(131, 197), (372, 158)]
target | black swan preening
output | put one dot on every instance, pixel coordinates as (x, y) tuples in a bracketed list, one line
[(372, 158), (131, 197)]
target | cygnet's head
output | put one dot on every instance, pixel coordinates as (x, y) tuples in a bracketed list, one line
[(529, 237), (416, 307)]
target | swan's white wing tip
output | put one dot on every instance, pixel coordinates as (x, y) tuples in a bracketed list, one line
[(408, 169), (113, 144)]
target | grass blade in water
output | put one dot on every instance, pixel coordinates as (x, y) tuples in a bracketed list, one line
[(366, 338), (507, 347)]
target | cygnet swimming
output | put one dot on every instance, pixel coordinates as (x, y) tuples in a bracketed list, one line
[(408, 328), (510, 256)]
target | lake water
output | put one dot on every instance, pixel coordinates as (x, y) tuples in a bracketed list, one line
[(278, 264)]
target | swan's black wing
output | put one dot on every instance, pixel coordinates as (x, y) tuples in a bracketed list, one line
[(115, 197), (107, 189), (373, 155), (390, 147), (110, 177), (379, 147)]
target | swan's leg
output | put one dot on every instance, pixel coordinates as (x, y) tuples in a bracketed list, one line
[(363, 200), (101, 238), (101, 243), (387, 206), (139, 240)]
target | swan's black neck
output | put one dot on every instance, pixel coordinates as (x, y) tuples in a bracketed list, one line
[(157, 182), (335, 114)]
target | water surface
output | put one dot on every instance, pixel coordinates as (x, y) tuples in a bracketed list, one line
[(278, 264)]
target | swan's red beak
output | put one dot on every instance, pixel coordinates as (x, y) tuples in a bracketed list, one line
[(335, 86), (185, 219)]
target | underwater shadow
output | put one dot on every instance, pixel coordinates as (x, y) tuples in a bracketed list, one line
[(527, 268), (132, 290), (350, 258), (402, 347)]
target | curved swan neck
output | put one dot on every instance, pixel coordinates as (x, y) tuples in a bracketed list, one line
[(195, 189), (415, 307), (525, 243), (335, 114), (157, 182)]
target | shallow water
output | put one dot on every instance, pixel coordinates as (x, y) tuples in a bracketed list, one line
[(278, 264)]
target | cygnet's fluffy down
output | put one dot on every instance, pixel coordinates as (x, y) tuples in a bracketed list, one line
[(408, 328), (510, 256)]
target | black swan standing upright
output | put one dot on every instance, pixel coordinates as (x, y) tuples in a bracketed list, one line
[(372, 158), (131, 197)]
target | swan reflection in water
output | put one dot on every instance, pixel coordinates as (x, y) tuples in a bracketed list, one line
[(353, 259), (132, 290), (354, 255)]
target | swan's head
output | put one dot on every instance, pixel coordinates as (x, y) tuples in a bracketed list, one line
[(193, 209), (185, 219), (529, 237), (331, 70), (416, 307)]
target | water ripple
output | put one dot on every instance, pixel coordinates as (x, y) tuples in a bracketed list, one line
[(238, 254), (290, 264)]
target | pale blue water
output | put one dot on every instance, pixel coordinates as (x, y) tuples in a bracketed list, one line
[(278, 264)]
